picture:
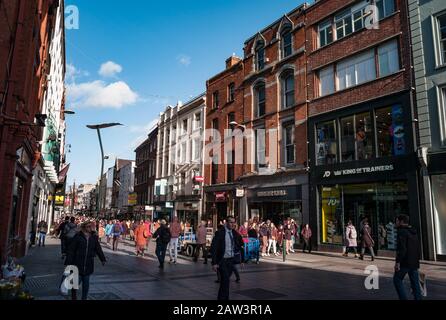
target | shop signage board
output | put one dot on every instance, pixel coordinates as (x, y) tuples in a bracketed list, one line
[(220, 196), (355, 171), (272, 193), (240, 192), (198, 179), (132, 199), (169, 204)]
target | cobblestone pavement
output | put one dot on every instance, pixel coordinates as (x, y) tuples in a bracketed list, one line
[(301, 277)]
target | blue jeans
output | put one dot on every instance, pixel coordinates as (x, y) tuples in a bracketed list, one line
[(414, 277), (85, 281), (42, 236)]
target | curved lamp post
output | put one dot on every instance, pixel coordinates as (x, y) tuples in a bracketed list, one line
[(98, 127)]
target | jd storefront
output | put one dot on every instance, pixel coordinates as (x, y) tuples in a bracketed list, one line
[(364, 167), (437, 175), (277, 198)]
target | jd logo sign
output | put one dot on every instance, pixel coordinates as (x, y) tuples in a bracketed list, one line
[(327, 174)]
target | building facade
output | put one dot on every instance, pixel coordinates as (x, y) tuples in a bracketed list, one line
[(189, 160), (24, 51), (46, 173), (428, 31), (126, 186), (145, 173), (362, 142), (275, 177)]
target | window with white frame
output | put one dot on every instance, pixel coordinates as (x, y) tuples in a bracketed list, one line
[(325, 33), (197, 149), (287, 88), (388, 58), (197, 120), (259, 99), (183, 153), (288, 143), (287, 42), (442, 111), (359, 15), (326, 81), (260, 145), (343, 23), (441, 38), (356, 70), (385, 8)]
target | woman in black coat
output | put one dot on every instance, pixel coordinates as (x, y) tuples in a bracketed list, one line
[(81, 253)]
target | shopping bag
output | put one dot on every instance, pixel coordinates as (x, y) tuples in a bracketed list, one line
[(423, 286), (63, 287)]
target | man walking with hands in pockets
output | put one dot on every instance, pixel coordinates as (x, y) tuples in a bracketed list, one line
[(227, 244)]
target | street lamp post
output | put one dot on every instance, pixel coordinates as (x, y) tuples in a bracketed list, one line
[(98, 127)]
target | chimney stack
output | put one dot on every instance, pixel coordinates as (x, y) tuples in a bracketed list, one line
[(232, 61)]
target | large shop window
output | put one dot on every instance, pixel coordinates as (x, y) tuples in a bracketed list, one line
[(276, 211), (439, 198), (390, 131), (381, 203), (326, 146), (357, 137)]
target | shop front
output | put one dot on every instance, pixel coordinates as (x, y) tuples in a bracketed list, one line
[(221, 201), (278, 197), (187, 211), (364, 167)]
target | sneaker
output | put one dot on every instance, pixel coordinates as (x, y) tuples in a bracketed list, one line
[(175, 262)]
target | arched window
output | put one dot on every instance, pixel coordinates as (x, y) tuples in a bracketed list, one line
[(287, 88), (260, 54), (286, 42), (259, 99)]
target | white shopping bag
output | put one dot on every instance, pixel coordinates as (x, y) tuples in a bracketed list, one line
[(423, 284)]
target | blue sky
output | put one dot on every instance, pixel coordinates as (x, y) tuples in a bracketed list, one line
[(130, 59)]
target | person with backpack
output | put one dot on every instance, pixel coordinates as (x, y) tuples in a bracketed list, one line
[(350, 239), (408, 252), (162, 236), (81, 253), (116, 232), (367, 240), (70, 231)]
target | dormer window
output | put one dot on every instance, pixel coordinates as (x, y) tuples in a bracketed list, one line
[(260, 55), (286, 42)]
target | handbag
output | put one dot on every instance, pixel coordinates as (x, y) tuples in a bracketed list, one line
[(63, 289)]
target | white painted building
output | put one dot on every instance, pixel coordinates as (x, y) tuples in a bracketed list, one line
[(45, 174)]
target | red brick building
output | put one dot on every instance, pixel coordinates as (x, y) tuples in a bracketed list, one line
[(361, 119), (145, 172), (264, 96), (224, 96), (25, 27)]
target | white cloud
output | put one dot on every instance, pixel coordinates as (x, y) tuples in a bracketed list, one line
[(98, 94), (110, 69), (184, 60), (72, 73)]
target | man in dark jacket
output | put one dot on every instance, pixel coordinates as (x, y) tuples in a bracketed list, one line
[(162, 236), (407, 258), (226, 247), (61, 232), (81, 252)]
